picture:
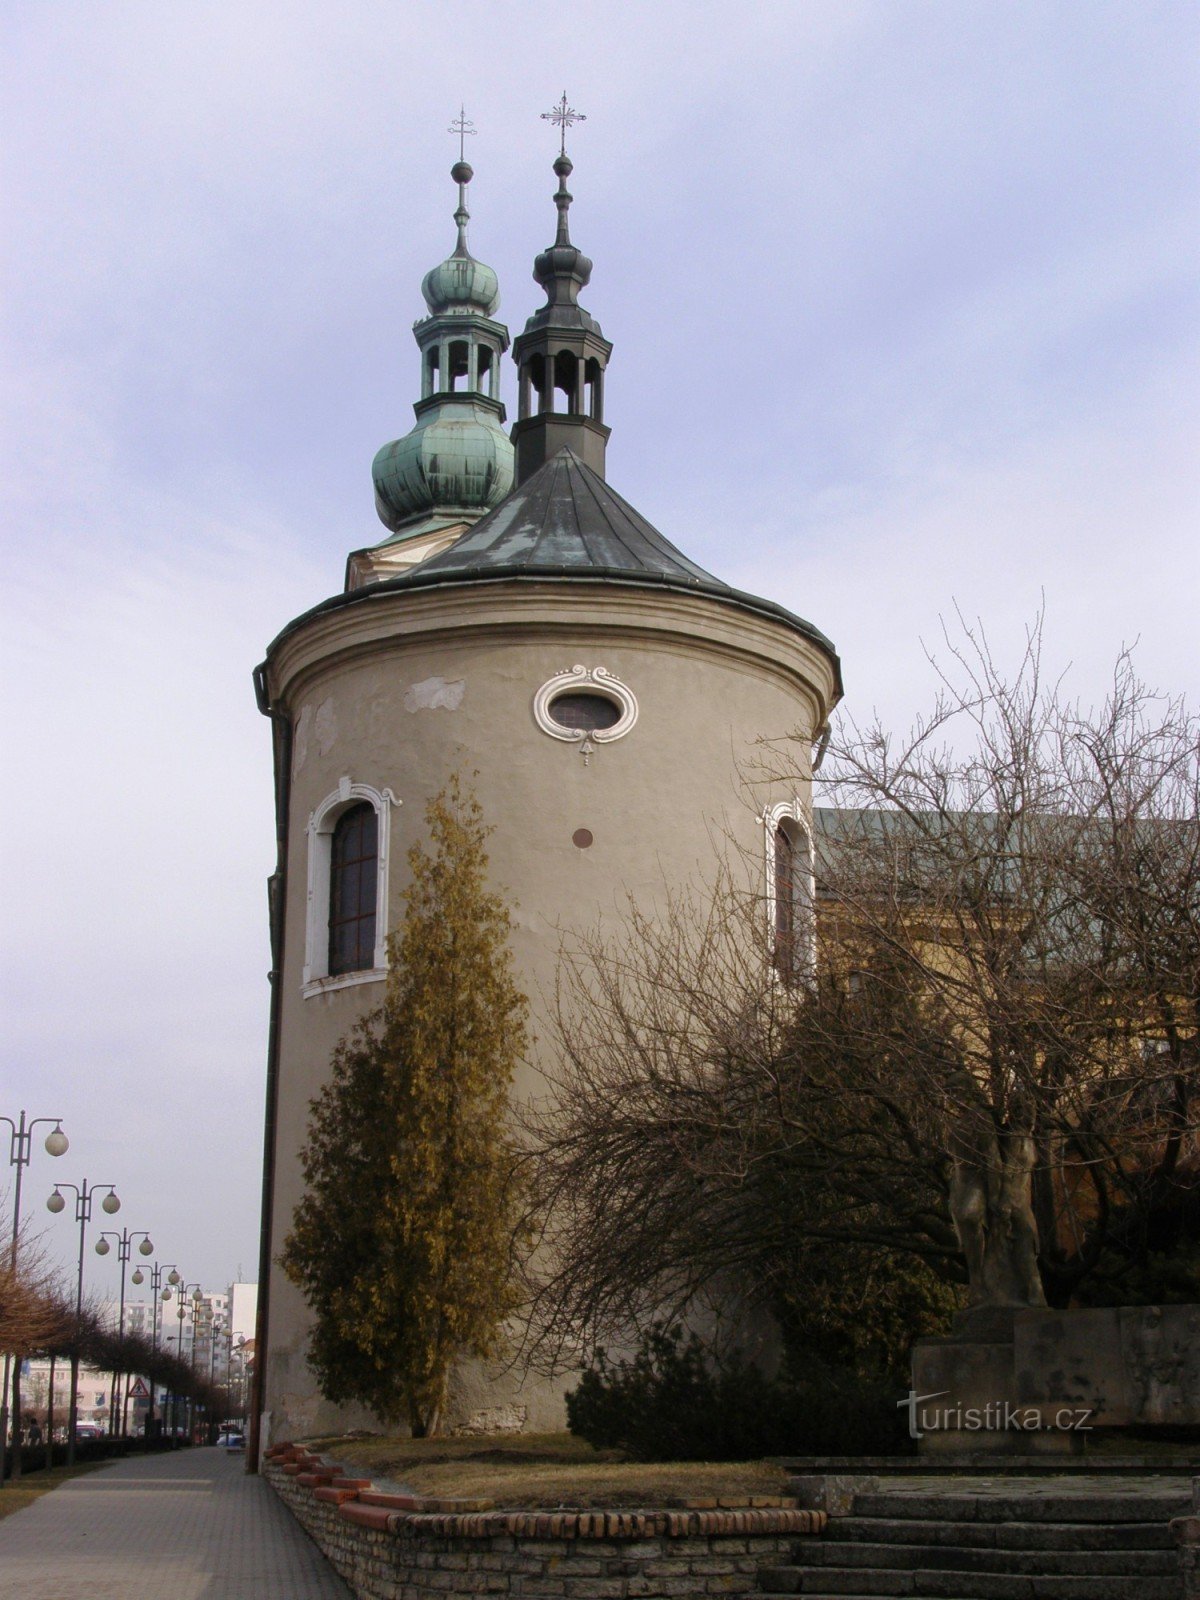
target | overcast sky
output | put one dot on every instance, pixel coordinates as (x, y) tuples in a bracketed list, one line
[(904, 311)]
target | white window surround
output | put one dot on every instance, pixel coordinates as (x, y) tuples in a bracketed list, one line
[(790, 811), (321, 824), (588, 680)]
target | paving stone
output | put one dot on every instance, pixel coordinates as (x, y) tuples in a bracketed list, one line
[(185, 1525)]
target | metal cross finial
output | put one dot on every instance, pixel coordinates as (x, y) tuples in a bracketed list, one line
[(562, 117), (462, 126)]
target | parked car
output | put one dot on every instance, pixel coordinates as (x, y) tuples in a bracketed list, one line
[(88, 1430), (231, 1439)]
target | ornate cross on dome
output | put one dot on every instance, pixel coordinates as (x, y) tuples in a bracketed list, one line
[(562, 117), (462, 126)]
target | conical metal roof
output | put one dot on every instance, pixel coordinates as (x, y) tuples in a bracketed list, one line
[(567, 519), (565, 525)]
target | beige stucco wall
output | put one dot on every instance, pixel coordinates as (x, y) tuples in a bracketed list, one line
[(710, 679)]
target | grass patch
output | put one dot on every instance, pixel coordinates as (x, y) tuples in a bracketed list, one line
[(537, 1470), (31, 1485)]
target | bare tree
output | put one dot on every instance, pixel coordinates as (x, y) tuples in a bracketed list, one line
[(34, 1307), (991, 1070), (1034, 888)]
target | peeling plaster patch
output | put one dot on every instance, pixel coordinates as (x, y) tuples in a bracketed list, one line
[(325, 728), (300, 741), (435, 694)]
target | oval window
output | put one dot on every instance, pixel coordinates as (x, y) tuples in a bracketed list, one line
[(586, 712)]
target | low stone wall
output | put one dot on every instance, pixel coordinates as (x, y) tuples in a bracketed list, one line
[(1032, 1379), (400, 1547)]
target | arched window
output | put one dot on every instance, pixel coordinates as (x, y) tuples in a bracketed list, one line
[(459, 366), (353, 888), (567, 376), (349, 836), (543, 383), (787, 887), (790, 895), (484, 371), (594, 385)]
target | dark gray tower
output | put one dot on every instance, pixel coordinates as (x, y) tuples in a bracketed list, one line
[(561, 357)]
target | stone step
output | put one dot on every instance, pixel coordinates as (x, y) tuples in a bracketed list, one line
[(1107, 1508), (1000, 1535), (825, 1583), (912, 1557)]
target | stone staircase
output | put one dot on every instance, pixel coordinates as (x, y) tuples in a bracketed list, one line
[(1002, 1541)]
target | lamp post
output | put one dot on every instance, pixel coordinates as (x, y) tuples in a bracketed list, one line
[(214, 1335), (157, 1273), (181, 1314), (240, 1347), (124, 1244), (110, 1205), (199, 1307), (169, 1340), (214, 1332), (19, 1151)]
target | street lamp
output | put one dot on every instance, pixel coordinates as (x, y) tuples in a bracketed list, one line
[(19, 1151), (240, 1347), (84, 1196), (215, 1328), (170, 1272), (200, 1307), (196, 1297), (124, 1244)]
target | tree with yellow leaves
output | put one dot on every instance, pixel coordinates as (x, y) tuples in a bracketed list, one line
[(405, 1242)]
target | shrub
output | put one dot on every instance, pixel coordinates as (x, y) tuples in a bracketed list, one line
[(672, 1402)]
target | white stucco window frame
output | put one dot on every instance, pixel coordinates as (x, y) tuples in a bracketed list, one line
[(794, 811), (321, 823), (594, 680)]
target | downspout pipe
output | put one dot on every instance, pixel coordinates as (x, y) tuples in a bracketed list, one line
[(281, 727)]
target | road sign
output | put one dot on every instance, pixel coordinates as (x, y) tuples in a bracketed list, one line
[(139, 1391)]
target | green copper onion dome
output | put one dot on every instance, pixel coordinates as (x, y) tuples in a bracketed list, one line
[(448, 462), (457, 459), (461, 283)]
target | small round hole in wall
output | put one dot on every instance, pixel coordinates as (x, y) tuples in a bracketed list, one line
[(581, 838)]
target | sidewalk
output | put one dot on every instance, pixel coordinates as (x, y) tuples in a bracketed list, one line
[(187, 1525)]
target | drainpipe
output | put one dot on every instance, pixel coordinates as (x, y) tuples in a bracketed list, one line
[(277, 897)]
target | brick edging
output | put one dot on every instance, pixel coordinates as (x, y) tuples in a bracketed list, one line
[(428, 1548), (358, 1501), (608, 1525)]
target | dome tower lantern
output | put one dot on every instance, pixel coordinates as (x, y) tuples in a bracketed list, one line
[(457, 462), (562, 354)]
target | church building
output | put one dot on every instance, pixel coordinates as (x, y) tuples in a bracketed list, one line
[(521, 622)]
